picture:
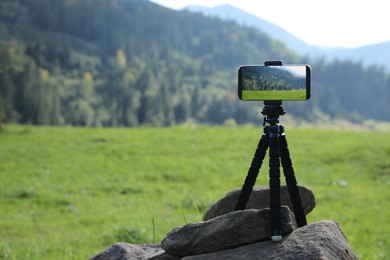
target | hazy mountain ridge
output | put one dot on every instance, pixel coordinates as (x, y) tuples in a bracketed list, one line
[(375, 54)]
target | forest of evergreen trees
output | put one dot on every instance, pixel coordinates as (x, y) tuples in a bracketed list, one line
[(131, 62)]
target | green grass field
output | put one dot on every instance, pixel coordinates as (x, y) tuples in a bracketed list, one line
[(68, 193), (274, 95)]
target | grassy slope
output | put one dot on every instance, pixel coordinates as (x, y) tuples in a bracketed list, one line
[(67, 193)]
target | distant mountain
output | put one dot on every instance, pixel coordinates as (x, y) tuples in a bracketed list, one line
[(376, 54), (231, 13)]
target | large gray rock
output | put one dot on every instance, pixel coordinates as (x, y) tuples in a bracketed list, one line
[(321, 240), (318, 241), (259, 199), (227, 231)]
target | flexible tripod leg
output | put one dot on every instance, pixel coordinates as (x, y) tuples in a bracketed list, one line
[(274, 183), (291, 181), (253, 171)]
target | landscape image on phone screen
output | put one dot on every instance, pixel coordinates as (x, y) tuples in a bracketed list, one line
[(273, 82)]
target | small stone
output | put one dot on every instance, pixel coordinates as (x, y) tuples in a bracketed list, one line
[(259, 199), (125, 251)]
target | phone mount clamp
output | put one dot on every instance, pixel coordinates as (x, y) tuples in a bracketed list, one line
[(274, 138)]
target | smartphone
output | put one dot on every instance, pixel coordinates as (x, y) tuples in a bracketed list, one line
[(284, 82)]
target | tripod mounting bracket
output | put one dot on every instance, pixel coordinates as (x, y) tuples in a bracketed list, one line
[(272, 110)]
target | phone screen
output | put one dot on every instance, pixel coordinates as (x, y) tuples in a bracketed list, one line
[(287, 82)]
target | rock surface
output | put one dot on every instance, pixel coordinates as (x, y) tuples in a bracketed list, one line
[(227, 231), (259, 199), (229, 234)]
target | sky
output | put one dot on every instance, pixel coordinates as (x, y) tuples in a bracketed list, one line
[(328, 23)]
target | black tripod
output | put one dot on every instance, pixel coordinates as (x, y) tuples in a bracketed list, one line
[(274, 138)]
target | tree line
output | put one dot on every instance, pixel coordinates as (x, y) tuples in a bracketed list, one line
[(131, 63)]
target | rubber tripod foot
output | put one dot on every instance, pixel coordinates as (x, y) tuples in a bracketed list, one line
[(276, 238), (276, 235)]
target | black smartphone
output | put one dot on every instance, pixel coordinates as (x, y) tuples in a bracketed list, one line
[(284, 82)]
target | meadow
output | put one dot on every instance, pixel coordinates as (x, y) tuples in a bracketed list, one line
[(274, 95), (68, 193)]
